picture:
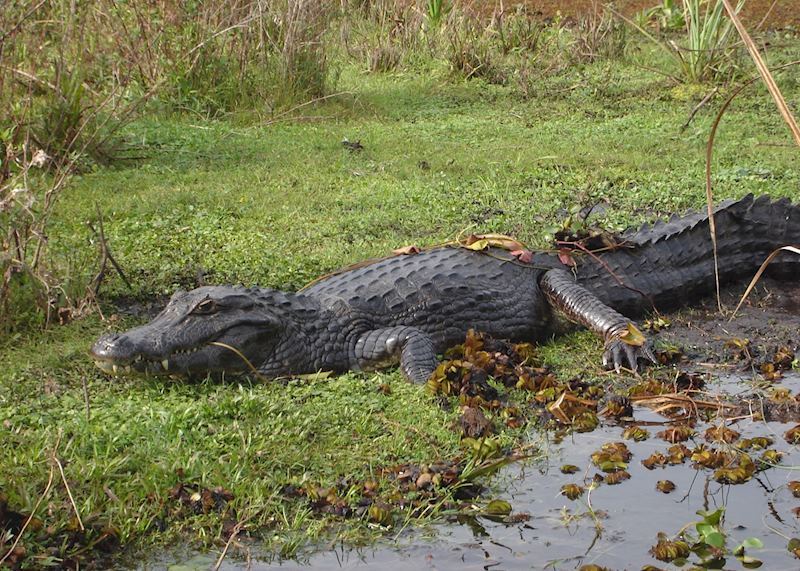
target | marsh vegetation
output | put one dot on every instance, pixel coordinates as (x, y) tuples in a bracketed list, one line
[(147, 146)]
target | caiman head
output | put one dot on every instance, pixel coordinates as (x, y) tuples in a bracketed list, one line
[(208, 330)]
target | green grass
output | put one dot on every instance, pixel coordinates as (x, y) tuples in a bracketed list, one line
[(280, 204), (142, 437)]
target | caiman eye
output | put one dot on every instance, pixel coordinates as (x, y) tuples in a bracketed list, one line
[(205, 307)]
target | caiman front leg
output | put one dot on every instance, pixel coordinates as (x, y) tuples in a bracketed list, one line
[(382, 347), (581, 306)]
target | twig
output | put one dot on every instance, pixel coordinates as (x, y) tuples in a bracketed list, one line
[(243, 24), (69, 492), (16, 27), (236, 529), (766, 15), (105, 256), (760, 271), (611, 272), (32, 78), (697, 108), (712, 226), (256, 373)]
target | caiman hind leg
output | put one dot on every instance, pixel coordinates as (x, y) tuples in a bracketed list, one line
[(581, 306), (411, 346)]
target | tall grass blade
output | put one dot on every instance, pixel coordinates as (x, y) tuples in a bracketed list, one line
[(764, 71), (754, 281)]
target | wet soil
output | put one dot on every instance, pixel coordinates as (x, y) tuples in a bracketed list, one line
[(768, 319)]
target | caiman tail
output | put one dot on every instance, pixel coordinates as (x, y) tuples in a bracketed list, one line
[(671, 263)]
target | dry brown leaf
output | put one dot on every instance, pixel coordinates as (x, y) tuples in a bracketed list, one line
[(407, 250)]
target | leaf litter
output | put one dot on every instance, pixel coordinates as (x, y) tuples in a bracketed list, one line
[(502, 383)]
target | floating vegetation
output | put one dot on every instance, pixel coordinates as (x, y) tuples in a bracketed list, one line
[(668, 550), (483, 375), (617, 477), (739, 469), (612, 457), (792, 435), (569, 469), (635, 433), (665, 486), (708, 542), (572, 491), (675, 434), (721, 434), (756, 443)]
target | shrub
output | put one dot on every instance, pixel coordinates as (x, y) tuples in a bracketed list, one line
[(705, 53)]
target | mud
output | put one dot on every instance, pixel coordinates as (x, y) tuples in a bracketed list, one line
[(767, 320)]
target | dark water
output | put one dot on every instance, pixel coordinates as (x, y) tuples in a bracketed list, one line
[(613, 526)]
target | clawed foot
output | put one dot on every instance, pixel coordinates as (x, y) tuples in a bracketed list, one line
[(618, 354)]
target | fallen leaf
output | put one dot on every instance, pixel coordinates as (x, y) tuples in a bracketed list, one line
[(407, 250), (482, 241), (565, 257), (524, 256), (632, 336)]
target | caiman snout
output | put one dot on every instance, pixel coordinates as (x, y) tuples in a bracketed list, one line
[(112, 352), (118, 353), (122, 353), (113, 347)]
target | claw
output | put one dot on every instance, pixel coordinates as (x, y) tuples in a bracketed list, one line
[(649, 355), (620, 355), (630, 353)]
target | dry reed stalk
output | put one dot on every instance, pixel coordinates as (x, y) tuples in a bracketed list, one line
[(709, 153), (754, 281), (765, 73)]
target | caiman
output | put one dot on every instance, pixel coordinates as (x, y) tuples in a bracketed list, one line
[(409, 308)]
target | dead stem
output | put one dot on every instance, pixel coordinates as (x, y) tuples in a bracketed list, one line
[(236, 529), (69, 492)]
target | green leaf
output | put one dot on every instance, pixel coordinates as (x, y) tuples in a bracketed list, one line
[(704, 528), (611, 466), (712, 563), (712, 518), (750, 562), (498, 507), (714, 539), (753, 543)]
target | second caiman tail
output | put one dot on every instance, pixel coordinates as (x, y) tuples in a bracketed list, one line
[(671, 263)]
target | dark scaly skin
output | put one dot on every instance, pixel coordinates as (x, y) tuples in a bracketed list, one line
[(407, 309)]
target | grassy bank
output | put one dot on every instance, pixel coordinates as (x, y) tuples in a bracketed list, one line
[(279, 203)]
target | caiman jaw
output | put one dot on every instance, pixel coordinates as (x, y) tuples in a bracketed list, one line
[(142, 364)]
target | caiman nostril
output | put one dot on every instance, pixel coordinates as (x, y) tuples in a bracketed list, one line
[(108, 345)]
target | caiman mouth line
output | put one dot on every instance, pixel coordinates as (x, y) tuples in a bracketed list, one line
[(117, 366)]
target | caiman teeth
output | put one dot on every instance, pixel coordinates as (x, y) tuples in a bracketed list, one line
[(165, 364)]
